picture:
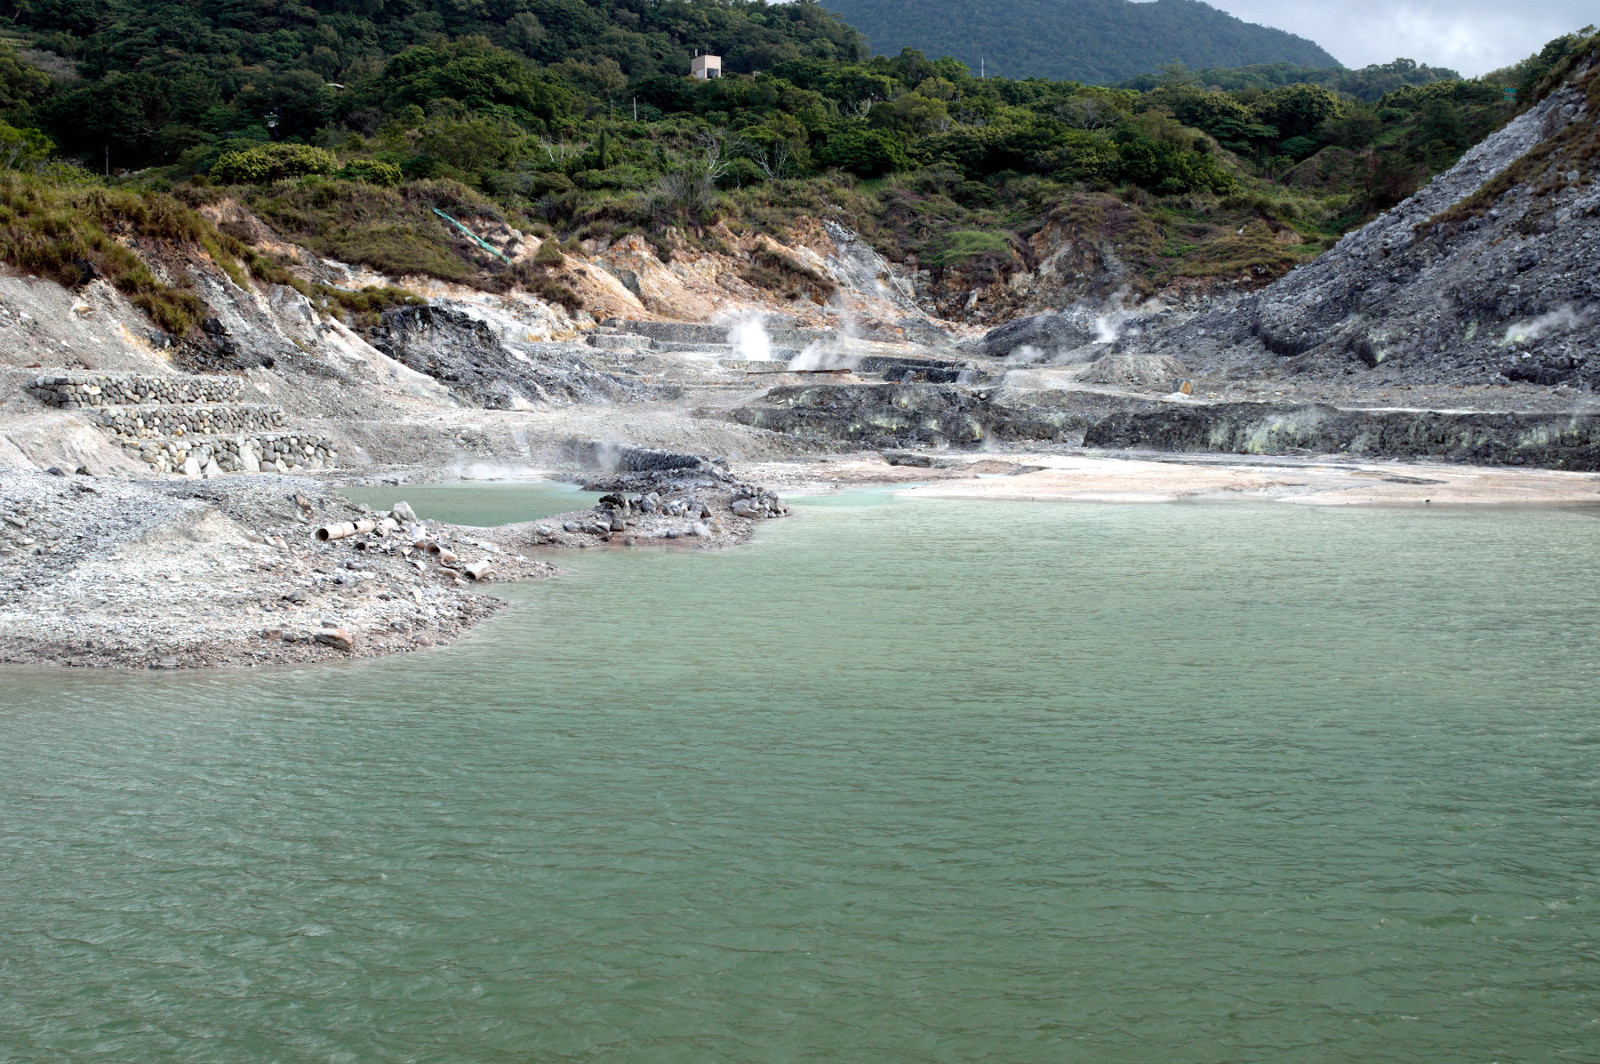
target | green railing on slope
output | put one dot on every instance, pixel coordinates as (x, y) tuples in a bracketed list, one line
[(482, 243)]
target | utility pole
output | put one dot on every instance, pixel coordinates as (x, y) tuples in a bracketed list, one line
[(636, 110), (108, 160), (980, 68)]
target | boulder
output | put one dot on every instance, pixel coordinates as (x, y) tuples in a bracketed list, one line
[(337, 638)]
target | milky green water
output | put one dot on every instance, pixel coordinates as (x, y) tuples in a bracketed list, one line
[(480, 503), (901, 781)]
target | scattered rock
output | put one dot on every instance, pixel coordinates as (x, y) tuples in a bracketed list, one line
[(337, 638)]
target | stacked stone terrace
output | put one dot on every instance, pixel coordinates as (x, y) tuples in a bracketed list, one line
[(74, 390), (192, 425), (153, 421)]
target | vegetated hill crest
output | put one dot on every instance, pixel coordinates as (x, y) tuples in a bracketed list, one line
[(1097, 41)]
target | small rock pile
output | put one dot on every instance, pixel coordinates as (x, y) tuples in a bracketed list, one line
[(72, 391), (752, 501), (1141, 371), (618, 513), (704, 511)]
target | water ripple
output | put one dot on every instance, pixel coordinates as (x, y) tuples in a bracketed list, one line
[(899, 782)]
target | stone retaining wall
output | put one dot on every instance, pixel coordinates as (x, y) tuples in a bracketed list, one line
[(275, 452), (74, 390), (148, 422)]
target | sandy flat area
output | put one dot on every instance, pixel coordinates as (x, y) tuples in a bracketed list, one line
[(1166, 478), (1088, 478)]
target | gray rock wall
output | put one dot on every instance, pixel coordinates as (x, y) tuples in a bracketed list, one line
[(892, 415), (482, 369), (1544, 440)]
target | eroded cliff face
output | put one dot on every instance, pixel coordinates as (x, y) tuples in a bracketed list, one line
[(820, 275), (1491, 273)]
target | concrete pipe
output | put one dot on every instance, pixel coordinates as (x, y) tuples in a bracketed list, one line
[(478, 570), (338, 531), (345, 528)]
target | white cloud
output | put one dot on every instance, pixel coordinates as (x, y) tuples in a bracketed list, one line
[(1472, 36)]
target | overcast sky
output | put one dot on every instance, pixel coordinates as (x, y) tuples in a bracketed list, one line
[(1471, 36)]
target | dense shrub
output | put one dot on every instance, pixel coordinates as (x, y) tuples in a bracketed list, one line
[(372, 172), (271, 162)]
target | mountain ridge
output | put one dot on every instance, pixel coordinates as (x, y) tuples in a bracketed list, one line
[(1041, 38)]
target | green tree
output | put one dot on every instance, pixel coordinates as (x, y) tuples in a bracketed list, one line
[(476, 74), (1165, 167), (862, 151), (913, 112), (21, 86), (603, 79), (470, 144), (1297, 110), (22, 147), (122, 114), (1441, 131)]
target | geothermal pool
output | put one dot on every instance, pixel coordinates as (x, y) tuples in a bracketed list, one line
[(903, 780)]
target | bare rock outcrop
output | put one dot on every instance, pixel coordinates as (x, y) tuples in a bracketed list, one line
[(481, 369), (1488, 272), (1047, 333)]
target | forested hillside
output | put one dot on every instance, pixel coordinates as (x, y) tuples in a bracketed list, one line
[(161, 77), (345, 128), (1366, 84), (1097, 41)]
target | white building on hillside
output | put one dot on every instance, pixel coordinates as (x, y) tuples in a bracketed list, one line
[(705, 67)]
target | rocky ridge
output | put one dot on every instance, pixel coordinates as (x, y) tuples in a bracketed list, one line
[(1466, 282)]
